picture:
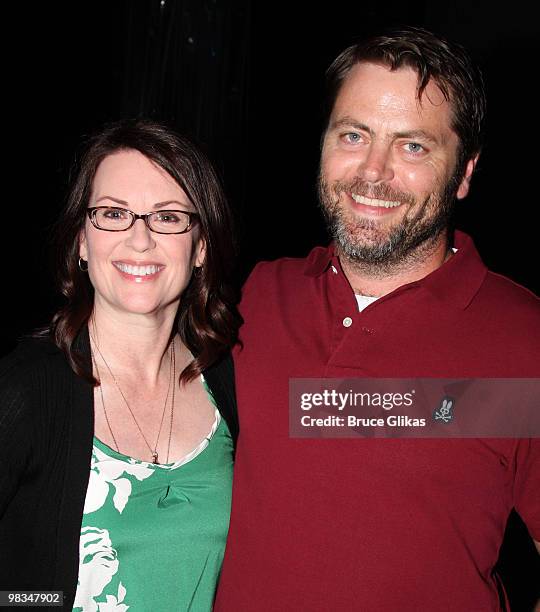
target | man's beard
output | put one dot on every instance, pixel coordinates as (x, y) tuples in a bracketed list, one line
[(372, 242)]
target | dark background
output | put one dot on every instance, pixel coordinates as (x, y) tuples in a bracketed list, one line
[(245, 80)]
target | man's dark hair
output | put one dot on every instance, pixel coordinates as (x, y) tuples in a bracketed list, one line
[(206, 320), (431, 57)]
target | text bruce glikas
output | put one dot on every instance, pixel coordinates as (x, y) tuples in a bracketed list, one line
[(341, 401), (336, 399)]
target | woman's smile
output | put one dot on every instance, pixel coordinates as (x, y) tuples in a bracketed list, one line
[(138, 272)]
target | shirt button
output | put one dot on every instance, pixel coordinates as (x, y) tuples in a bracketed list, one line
[(334, 269), (347, 322)]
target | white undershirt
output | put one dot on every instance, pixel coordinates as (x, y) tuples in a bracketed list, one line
[(364, 301)]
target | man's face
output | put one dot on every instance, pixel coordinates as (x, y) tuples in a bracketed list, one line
[(388, 166)]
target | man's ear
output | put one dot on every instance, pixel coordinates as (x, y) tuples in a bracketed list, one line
[(463, 188)]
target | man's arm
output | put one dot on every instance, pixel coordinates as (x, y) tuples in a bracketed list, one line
[(537, 606)]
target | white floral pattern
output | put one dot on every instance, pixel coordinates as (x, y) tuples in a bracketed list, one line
[(106, 472), (114, 604), (113, 479), (98, 564)]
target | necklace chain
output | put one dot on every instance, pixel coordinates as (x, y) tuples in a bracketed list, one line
[(172, 378), (173, 359)]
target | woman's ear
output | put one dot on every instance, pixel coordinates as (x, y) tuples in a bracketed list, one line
[(83, 251), (200, 254)]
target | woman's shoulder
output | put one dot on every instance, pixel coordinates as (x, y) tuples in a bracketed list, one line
[(31, 355), (221, 374), (25, 381), (220, 378), (35, 378)]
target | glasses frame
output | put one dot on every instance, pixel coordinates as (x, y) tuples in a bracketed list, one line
[(193, 217)]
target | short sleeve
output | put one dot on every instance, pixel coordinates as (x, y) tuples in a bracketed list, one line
[(527, 485)]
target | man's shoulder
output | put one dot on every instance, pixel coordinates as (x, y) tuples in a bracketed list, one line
[(508, 297), (288, 268), (283, 268), (506, 317)]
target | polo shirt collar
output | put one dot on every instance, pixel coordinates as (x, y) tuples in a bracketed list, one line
[(456, 281), (319, 260)]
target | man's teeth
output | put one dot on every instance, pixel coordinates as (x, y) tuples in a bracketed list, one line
[(137, 270), (374, 202)]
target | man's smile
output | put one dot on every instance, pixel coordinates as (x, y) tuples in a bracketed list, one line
[(360, 199)]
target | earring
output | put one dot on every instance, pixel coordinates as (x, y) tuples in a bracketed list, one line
[(82, 264)]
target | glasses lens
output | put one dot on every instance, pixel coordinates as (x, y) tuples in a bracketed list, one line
[(169, 221), (112, 218)]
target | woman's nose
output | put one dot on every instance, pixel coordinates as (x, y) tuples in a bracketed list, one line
[(140, 237)]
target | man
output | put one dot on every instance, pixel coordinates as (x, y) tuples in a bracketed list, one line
[(382, 524)]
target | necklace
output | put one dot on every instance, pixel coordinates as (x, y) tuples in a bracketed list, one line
[(172, 378)]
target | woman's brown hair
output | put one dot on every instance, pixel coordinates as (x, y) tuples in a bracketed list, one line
[(207, 321)]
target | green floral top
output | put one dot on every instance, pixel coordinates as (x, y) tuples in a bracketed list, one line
[(153, 536)]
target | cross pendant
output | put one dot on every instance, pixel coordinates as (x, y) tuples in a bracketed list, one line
[(154, 457)]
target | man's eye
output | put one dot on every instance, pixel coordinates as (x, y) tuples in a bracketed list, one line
[(414, 147), (351, 138)]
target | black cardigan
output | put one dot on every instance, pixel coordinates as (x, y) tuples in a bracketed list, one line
[(46, 432)]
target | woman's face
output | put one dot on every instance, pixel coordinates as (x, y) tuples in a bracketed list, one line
[(118, 261)]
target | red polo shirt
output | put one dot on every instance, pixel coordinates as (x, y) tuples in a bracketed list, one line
[(375, 524)]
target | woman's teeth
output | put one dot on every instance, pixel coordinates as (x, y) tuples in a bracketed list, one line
[(137, 270)]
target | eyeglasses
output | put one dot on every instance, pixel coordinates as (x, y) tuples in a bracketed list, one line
[(112, 219)]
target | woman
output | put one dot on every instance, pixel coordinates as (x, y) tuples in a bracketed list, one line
[(116, 464)]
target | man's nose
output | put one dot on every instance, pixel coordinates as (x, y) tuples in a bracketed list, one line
[(377, 166), (140, 237)]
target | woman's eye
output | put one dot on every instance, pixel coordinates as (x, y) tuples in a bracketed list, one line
[(114, 214), (168, 218)]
